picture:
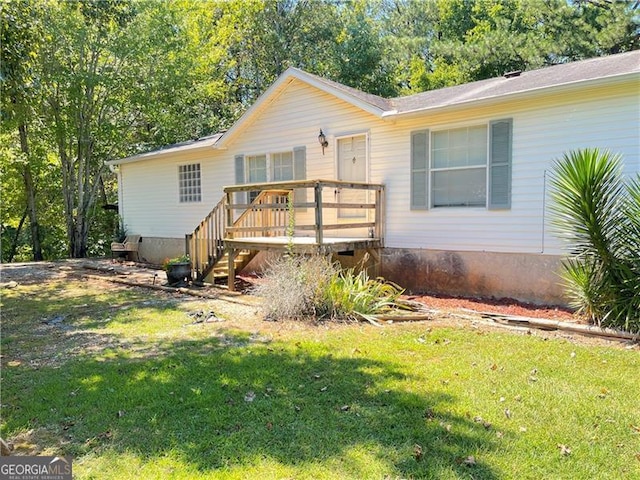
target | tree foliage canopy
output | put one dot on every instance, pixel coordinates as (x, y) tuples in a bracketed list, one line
[(87, 81)]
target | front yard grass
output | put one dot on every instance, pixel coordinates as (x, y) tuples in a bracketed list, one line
[(124, 381)]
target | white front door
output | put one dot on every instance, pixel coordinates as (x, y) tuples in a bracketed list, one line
[(352, 167)]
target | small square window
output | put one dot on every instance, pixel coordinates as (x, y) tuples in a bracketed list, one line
[(189, 183)]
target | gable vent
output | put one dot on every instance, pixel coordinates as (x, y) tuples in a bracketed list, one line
[(515, 73)]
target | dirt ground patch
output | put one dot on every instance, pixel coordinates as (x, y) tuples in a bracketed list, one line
[(445, 311)]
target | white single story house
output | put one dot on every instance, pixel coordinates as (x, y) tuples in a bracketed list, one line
[(461, 173)]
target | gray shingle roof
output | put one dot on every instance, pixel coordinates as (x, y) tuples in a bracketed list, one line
[(493, 88), (556, 75)]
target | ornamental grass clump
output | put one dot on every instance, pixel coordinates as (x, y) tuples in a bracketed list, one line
[(598, 214), (291, 286), (298, 286)]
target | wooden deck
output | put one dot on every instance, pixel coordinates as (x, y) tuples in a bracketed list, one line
[(304, 244), (281, 218)]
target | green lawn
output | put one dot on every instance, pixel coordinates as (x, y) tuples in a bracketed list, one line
[(123, 383)]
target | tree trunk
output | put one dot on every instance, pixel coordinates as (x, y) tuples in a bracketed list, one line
[(14, 243), (31, 196)]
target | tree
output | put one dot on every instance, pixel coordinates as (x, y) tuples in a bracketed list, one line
[(21, 33), (475, 40)]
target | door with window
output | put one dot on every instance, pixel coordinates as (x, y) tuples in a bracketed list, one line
[(352, 167)]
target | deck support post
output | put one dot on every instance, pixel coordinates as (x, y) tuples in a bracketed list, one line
[(379, 219), (317, 191), (232, 253)]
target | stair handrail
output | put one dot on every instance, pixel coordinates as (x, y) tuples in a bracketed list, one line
[(205, 245)]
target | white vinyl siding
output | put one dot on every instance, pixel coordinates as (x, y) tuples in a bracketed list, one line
[(150, 193), (190, 188), (543, 129)]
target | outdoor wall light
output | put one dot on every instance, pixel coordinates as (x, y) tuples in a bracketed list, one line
[(323, 141)]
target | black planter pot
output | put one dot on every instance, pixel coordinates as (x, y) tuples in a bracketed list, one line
[(179, 274)]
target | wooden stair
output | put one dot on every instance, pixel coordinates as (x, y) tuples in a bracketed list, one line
[(206, 245), (221, 269)]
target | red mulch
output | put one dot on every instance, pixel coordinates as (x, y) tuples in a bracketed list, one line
[(506, 306)]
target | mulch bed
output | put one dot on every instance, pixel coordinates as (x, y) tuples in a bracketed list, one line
[(504, 306)]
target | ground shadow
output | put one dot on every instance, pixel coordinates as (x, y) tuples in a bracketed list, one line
[(228, 400)]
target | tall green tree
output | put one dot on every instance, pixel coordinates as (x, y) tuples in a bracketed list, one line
[(21, 34), (483, 39)]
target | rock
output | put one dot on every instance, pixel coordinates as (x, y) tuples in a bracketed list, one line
[(11, 284)]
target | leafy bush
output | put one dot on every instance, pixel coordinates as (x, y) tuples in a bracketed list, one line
[(298, 286), (599, 215), (292, 286)]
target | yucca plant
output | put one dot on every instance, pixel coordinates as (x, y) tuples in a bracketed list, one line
[(354, 295), (598, 214)]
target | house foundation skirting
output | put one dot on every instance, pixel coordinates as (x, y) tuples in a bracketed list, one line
[(157, 249), (525, 277)]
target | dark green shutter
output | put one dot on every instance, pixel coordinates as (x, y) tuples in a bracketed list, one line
[(241, 197), (500, 140), (420, 170), (300, 173)]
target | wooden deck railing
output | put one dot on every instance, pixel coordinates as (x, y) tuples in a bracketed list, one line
[(266, 216), (271, 216)]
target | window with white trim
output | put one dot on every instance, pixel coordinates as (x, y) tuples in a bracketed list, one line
[(282, 166), (462, 167), (274, 167), (279, 168), (189, 181), (458, 167)]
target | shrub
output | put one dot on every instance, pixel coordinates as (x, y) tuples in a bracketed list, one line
[(291, 284), (599, 215), (296, 286), (168, 262)]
